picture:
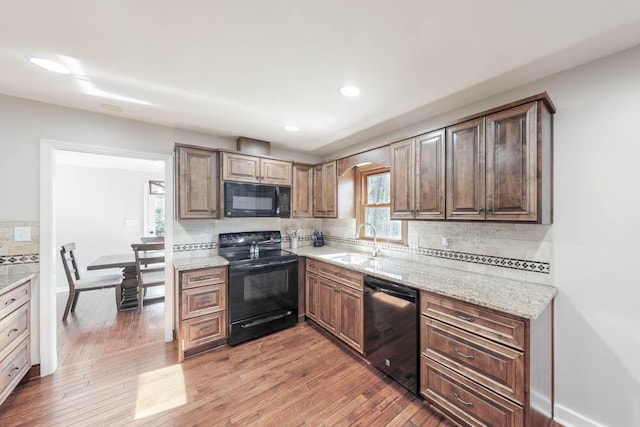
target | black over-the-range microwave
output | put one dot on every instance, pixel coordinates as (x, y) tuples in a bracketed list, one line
[(256, 200)]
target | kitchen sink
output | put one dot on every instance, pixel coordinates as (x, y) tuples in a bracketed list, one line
[(354, 259)]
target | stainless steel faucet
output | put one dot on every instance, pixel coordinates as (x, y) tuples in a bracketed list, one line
[(375, 240)]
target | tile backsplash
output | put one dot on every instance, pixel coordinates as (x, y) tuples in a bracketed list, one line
[(19, 257), (515, 251), (198, 237)]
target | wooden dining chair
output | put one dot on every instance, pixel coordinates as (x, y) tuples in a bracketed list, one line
[(149, 269), (78, 285)]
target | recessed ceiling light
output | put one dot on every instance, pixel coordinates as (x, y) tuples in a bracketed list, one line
[(50, 65), (111, 107), (291, 128), (350, 90)]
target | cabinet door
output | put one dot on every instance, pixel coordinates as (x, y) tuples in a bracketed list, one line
[(328, 299), (466, 171), (512, 164), (302, 189), (276, 172), (196, 186), (330, 180), (430, 176), (311, 281), (240, 167), (403, 177), (319, 209), (350, 324)]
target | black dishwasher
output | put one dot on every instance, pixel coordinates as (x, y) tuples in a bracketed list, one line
[(390, 330)]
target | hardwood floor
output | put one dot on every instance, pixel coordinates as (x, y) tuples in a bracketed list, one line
[(294, 377), (97, 328)]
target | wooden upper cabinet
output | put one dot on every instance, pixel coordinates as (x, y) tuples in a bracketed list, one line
[(277, 172), (403, 179), (196, 186), (430, 176), (244, 168), (240, 167), (418, 177), (325, 190), (511, 164), (302, 189), (466, 170), (499, 167)]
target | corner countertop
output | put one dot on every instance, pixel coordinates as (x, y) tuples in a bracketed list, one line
[(523, 299), (199, 262), (13, 280)]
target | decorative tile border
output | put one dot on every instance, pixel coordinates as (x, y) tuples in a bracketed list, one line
[(184, 247), (496, 261), (19, 259)]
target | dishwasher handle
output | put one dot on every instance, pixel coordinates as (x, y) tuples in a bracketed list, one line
[(393, 289)]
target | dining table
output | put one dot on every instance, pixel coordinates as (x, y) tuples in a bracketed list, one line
[(129, 287)]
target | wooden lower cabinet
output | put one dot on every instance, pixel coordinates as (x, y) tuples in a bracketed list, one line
[(481, 367), (15, 340), (335, 301), (202, 306)]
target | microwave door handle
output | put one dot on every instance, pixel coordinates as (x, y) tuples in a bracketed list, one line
[(277, 200)]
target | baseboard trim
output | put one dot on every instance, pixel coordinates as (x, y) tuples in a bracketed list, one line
[(569, 418), (32, 374)]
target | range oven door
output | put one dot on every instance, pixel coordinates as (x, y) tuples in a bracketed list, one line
[(262, 299), (254, 200)]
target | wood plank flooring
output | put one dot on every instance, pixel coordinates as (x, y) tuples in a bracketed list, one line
[(294, 377)]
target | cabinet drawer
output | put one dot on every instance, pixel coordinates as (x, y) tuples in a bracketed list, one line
[(204, 329), (13, 329), (465, 401), (203, 277), (493, 365), (474, 319), (341, 275), (312, 265), (13, 368), (203, 300), (14, 298)]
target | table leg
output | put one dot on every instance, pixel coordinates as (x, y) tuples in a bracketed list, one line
[(129, 298)]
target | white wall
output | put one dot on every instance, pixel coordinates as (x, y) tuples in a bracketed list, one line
[(596, 233), (91, 207), (23, 123)]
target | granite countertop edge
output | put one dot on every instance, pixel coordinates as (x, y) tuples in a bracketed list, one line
[(184, 264), (14, 280), (519, 298), (515, 297)]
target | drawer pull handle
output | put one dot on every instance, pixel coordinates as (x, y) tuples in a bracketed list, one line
[(201, 278), (466, 318), (13, 331), (470, 356), (464, 402), (338, 274), (11, 301), (312, 265), (13, 371)]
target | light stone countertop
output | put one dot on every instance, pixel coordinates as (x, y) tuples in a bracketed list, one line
[(523, 299), (13, 280), (199, 262)]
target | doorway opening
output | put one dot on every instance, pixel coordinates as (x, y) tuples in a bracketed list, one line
[(104, 200)]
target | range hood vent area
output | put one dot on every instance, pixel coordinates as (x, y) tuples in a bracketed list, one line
[(252, 146)]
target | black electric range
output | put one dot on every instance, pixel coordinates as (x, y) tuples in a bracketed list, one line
[(263, 284)]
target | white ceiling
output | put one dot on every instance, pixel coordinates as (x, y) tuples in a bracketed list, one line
[(248, 67)]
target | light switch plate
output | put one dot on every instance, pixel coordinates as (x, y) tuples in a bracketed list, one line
[(413, 241), (21, 234)]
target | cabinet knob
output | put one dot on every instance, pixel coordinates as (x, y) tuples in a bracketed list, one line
[(489, 210), (480, 210)]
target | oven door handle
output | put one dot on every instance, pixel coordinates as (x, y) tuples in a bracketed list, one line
[(256, 266)]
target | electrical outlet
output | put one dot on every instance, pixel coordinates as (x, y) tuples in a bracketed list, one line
[(445, 242), (413, 241), (21, 234)]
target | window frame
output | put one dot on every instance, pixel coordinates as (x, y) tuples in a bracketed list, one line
[(362, 173)]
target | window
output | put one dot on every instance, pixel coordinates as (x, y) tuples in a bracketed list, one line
[(154, 209), (375, 206)]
